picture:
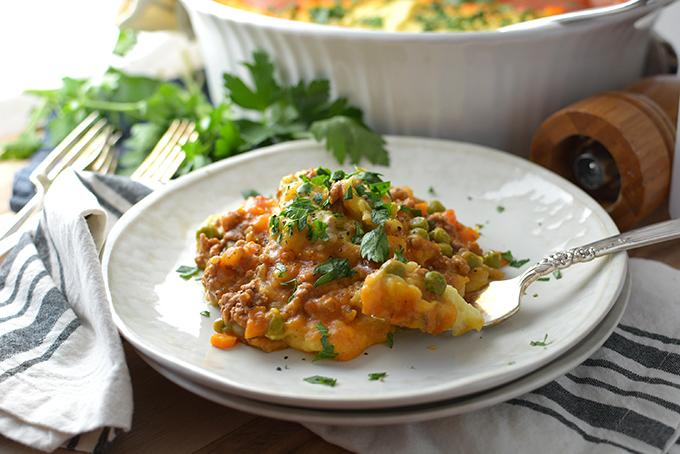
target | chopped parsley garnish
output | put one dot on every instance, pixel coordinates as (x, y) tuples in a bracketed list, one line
[(557, 274), (185, 272), (377, 376), (519, 263), (374, 245), (358, 234), (399, 255), (319, 380), (373, 22), (328, 351), (500, 209), (205, 313), (246, 193), (539, 343), (514, 262), (281, 268), (390, 340), (333, 269), (295, 287)]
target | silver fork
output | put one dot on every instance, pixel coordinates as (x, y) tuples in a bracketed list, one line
[(166, 157), (80, 149), (500, 300)]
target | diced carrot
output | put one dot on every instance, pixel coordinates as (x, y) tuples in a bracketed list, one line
[(552, 10), (450, 216), (467, 234), (223, 340), (422, 207)]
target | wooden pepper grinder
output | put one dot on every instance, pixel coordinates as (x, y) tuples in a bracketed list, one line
[(617, 146)]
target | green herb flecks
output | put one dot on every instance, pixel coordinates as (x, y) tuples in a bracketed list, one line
[(333, 269), (539, 343), (514, 262), (247, 193), (205, 313), (328, 350), (377, 376), (186, 272), (319, 380), (295, 287)]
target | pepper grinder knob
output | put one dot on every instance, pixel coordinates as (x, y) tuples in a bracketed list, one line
[(617, 146)]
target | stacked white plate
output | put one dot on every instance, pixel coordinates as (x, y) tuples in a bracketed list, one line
[(520, 207)]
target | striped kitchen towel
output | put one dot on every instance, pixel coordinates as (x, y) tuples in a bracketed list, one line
[(624, 399), (63, 376)]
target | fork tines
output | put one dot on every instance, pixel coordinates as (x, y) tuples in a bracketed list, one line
[(166, 157)]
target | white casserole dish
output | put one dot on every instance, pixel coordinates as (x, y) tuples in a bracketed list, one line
[(490, 88)]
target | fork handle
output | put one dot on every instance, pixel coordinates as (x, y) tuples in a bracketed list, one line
[(644, 236), (23, 215)]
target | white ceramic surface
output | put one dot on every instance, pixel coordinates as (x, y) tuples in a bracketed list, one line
[(415, 413), (489, 88), (158, 312)]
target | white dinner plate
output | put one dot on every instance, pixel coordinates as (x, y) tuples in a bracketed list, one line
[(521, 207), (416, 413)]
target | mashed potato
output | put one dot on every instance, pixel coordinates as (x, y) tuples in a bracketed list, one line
[(335, 262)]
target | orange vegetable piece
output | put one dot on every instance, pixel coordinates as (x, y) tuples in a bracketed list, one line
[(223, 340), (467, 234)]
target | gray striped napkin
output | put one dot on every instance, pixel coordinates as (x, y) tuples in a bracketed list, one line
[(63, 376), (624, 399)]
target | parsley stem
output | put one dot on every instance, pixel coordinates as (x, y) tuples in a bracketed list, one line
[(115, 106)]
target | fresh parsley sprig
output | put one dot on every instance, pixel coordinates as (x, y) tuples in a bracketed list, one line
[(143, 108)]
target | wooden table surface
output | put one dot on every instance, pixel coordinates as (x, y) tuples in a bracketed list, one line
[(169, 419)]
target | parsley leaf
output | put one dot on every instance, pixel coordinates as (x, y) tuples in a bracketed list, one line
[(328, 350), (185, 272), (333, 269), (346, 136), (399, 255), (281, 268), (539, 343), (377, 376), (374, 245), (319, 380), (246, 193)]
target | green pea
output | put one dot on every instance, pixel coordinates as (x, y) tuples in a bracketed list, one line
[(396, 267), (472, 259), (446, 249), (435, 282), (439, 235), (220, 327), (275, 328), (422, 233), (493, 259), (209, 230), (419, 222), (435, 206)]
